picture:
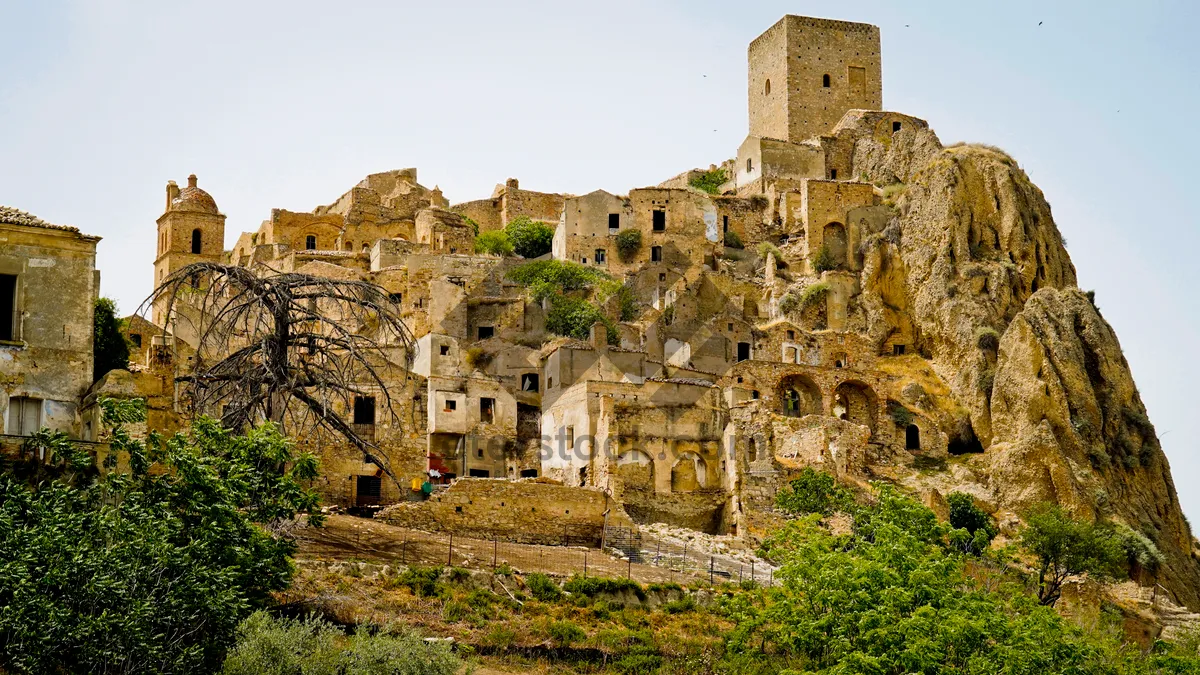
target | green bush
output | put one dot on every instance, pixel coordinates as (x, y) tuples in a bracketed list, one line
[(543, 588), (813, 492), (766, 248), (629, 242), (574, 317), (109, 348), (710, 181), (422, 581), (454, 611), (271, 646), (565, 633), (732, 240), (824, 261), (966, 516), (680, 606), (1138, 548), (494, 242), (593, 586), (789, 303), (987, 339), (529, 238), (812, 294), (548, 276), (479, 358), (900, 415)]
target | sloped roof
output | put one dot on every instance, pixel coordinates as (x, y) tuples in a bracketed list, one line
[(11, 216)]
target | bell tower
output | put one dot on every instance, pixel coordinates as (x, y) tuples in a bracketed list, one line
[(191, 229)]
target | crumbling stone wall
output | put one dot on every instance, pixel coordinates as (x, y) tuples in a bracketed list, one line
[(530, 511)]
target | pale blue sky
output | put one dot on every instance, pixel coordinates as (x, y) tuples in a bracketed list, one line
[(288, 104)]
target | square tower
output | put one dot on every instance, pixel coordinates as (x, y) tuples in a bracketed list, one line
[(805, 73)]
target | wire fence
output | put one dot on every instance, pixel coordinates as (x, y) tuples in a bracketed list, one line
[(625, 553)]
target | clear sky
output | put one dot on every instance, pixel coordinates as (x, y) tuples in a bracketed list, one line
[(289, 104)]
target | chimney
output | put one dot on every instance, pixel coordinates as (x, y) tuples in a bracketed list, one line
[(599, 336), (512, 184), (172, 193), (192, 181)]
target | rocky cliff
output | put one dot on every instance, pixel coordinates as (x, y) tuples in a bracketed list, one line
[(1037, 394)]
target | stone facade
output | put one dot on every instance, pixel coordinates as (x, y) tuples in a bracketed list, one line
[(48, 287)]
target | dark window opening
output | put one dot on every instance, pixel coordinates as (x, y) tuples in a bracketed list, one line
[(529, 473), (791, 335), (833, 174), (196, 240), (369, 489), (8, 307), (364, 410), (529, 382), (451, 405), (479, 473), (743, 351), (396, 297), (600, 256), (614, 221), (767, 88), (655, 254), (825, 81), (659, 220), (897, 350), (749, 165), (895, 127), (479, 453), (724, 224), (486, 332), (582, 477), (444, 350), (754, 394), (310, 243), (487, 413), (136, 339), (583, 260), (662, 276), (912, 438)]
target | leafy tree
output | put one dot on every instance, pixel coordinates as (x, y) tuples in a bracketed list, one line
[(979, 527), (575, 317), (530, 238), (494, 242), (109, 349), (629, 242), (1066, 547), (149, 568), (813, 492)]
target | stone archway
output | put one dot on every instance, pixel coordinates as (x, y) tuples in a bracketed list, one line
[(798, 396), (854, 401), (636, 469), (833, 238)]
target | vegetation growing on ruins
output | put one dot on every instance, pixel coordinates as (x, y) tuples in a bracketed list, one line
[(557, 280), (766, 248), (813, 293), (987, 338), (145, 570), (732, 240), (494, 242), (530, 238), (824, 261), (629, 242), (710, 181), (108, 343)]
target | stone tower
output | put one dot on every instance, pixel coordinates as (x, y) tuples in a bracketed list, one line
[(805, 73), (189, 230)]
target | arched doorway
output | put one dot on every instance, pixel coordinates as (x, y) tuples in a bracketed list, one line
[(798, 396), (690, 473), (855, 402), (912, 437), (833, 238)]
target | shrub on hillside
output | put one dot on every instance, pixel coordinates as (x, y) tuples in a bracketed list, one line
[(494, 242), (529, 238)]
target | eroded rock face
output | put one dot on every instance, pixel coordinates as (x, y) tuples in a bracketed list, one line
[(973, 260)]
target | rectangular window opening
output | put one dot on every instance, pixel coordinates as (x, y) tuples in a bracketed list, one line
[(659, 220), (364, 410), (486, 332), (487, 411), (614, 221), (529, 382), (24, 415), (600, 255), (655, 254), (8, 307)]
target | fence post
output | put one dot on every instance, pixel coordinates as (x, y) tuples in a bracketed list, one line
[(710, 570), (771, 579), (740, 567), (657, 552), (495, 549), (585, 552), (404, 552), (450, 555), (752, 571), (629, 568)]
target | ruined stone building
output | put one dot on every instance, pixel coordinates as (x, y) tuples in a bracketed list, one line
[(48, 286), (854, 296)]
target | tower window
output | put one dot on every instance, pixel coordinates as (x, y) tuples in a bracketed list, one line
[(833, 174), (895, 127), (196, 240), (614, 221), (749, 164), (767, 88), (659, 220), (825, 80), (310, 243), (655, 254)]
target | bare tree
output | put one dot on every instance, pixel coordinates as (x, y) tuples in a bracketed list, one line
[(287, 347)]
